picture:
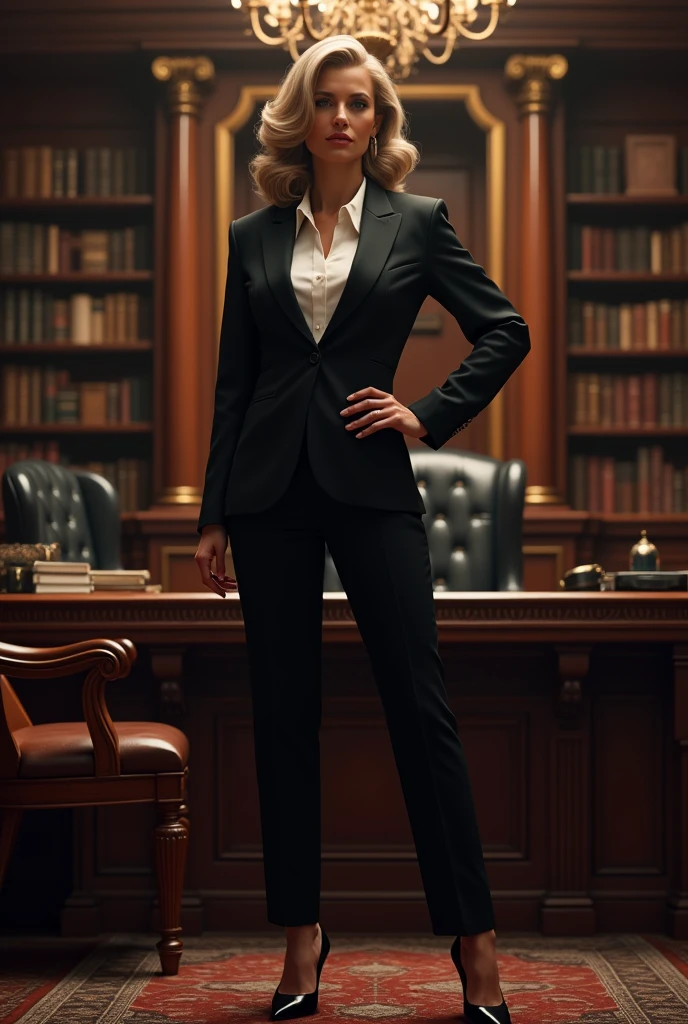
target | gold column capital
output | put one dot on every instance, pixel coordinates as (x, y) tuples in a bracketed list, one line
[(534, 74), (183, 75)]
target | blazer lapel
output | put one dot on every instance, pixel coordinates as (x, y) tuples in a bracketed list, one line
[(277, 239), (379, 227)]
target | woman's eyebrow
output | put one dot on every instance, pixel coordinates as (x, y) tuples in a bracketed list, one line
[(324, 93)]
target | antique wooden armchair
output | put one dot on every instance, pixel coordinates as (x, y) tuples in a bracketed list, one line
[(95, 763)]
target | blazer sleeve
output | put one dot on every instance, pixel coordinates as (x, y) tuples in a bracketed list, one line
[(499, 336), (237, 372)]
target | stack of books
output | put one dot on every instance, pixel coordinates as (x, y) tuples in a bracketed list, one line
[(62, 577), (120, 579)]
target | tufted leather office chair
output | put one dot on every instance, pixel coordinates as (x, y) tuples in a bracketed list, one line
[(46, 502), (474, 521)]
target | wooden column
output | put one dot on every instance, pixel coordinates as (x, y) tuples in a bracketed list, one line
[(533, 76), (181, 470)]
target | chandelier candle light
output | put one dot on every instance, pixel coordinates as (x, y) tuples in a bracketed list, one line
[(394, 31)]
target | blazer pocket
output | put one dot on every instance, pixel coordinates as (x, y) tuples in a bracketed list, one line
[(259, 397), (403, 266), (380, 362)]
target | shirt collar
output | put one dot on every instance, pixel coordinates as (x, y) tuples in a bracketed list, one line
[(354, 208)]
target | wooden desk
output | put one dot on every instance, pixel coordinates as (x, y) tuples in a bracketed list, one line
[(572, 708)]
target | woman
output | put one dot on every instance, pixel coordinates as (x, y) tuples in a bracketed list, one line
[(307, 449)]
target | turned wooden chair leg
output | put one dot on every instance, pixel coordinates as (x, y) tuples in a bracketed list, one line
[(171, 840), (184, 809), (184, 816), (10, 819)]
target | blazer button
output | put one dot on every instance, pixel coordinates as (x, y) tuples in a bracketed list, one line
[(315, 357)]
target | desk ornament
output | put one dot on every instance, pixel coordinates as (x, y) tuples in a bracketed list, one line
[(644, 555), (651, 579), (583, 577), (16, 562)]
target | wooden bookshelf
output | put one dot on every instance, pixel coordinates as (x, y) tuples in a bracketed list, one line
[(598, 431), (613, 200), (628, 354), (624, 277), (40, 321), (68, 348), (77, 428), (611, 466), (75, 203), (80, 277)]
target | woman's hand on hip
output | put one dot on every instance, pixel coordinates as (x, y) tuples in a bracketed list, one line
[(374, 409), (213, 544)]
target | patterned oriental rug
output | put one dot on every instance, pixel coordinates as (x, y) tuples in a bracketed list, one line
[(604, 979)]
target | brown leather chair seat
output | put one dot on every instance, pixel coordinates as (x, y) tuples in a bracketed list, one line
[(64, 749), (55, 765)]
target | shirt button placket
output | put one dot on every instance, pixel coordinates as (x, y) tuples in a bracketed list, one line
[(319, 303)]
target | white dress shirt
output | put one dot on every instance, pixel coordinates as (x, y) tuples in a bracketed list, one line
[(318, 282)]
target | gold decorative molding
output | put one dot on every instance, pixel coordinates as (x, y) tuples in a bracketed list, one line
[(543, 494), (535, 74), (181, 494), (489, 123), (183, 75)]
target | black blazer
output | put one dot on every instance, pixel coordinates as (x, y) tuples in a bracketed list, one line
[(274, 380)]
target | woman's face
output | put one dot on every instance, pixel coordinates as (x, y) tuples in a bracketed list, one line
[(343, 102)]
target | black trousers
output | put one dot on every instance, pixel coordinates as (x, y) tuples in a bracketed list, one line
[(383, 562)]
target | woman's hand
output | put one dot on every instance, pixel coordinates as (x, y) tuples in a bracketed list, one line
[(392, 414), (213, 544)]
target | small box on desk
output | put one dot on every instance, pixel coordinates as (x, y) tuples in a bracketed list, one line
[(650, 580)]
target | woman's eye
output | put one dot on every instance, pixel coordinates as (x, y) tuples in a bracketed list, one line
[(362, 102)]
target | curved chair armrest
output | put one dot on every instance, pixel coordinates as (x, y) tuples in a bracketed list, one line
[(104, 660), (116, 656)]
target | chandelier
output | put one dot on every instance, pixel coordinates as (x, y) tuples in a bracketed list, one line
[(394, 31)]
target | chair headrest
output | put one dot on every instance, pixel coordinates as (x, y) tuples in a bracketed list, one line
[(44, 503)]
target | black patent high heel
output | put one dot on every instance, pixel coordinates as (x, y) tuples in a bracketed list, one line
[(286, 1007), (472, 1012)]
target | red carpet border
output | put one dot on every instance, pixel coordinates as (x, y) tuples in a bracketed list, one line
[(603, 979)]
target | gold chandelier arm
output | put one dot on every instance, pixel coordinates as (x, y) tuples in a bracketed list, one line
[(494, 18), (310, 27), (446, 52), (438, 30), (293, 48), (258, 29)]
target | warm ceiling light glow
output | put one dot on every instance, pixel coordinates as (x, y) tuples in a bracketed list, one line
[(395, 31)]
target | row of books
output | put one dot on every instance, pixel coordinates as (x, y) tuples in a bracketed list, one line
[(129, 477), (657, 325), (628, 400), (650, 483), (635, 248), (599, 169), (34, 395), (63, 577), (45, 172), (34, 248), (29, 316)]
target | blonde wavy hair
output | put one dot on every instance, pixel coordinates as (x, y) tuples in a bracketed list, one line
[(283, 169)]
